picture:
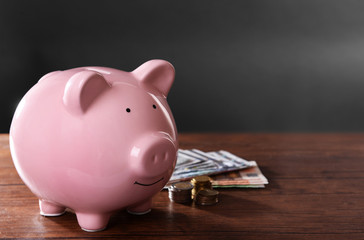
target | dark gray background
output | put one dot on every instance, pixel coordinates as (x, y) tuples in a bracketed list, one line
[(244, 65)]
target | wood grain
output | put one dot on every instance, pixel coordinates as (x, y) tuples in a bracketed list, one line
[(316, 191)]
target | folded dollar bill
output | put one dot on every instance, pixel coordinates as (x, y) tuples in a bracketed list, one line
[(194, 162), (226, 169)]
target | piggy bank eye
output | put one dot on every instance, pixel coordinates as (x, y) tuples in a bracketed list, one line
[(154, 106), (128, 110)]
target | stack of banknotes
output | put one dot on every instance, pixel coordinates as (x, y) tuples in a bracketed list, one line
[(224, 168)]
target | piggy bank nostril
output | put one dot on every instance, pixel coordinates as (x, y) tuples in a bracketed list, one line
[(165, 156), (154, 158)]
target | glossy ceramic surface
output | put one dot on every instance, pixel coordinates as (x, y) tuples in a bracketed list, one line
[(96, 140)]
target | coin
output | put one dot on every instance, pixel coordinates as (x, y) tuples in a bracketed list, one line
[(199, 183), (182, 186), (180, 192), (201, 179), (207, 197)]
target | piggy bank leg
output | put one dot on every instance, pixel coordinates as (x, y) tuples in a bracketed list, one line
[(49, 209), (93, 222), (140, 209)]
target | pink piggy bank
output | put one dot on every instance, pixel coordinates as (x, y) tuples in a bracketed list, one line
[(96, 140)]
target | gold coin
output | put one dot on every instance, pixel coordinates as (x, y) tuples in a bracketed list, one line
[(201, 179), (199, 183)]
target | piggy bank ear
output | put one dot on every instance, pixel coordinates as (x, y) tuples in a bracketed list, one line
[(82, 89), (156, 73)]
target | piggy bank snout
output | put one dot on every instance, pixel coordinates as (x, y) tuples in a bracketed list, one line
[(152, 155)]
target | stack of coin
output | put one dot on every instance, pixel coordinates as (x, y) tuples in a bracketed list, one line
[(207, 197), (180, 192), (199, 183)]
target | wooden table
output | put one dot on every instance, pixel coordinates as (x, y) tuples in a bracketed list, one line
[(315, 191)]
